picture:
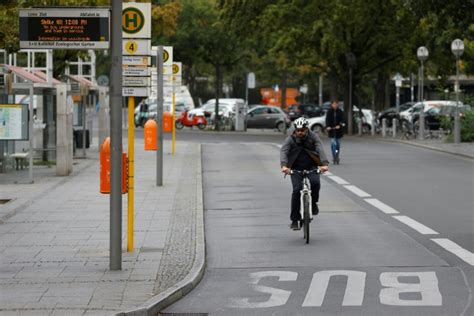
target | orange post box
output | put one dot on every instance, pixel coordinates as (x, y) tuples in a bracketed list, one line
[(167, 122), (150, 135), (105, 169)]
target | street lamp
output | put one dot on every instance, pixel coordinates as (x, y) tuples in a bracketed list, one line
[(457, 47), (351, 62), (422, 54), (398, 83)]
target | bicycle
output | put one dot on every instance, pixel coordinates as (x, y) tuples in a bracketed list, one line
[(305, 201)]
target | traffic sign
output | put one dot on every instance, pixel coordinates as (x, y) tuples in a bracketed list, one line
[(251, 80), (136, 91), (103, 81), (167, 54), (136, 20), (177, 69), (136, 81), (136, 60), (136, 47), (457, 47), (136, 71)]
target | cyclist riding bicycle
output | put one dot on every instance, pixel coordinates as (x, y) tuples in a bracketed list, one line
[(303, 150)]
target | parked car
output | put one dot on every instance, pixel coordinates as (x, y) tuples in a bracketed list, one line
[(152, 110), (412, 112), (305, 110), (327, 105), (391, 113), (434, 116), (209, 110), (263, 116), (318, 124)]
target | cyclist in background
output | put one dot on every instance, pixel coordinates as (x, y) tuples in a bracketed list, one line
[(334, 127), (303, 150)]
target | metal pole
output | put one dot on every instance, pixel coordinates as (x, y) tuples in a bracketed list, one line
[(83, 126), (349, 116), (247, 89), (422, 112), (159, 117), (31, 151), (398, 99), (384, 127), (320, 90), (116, 137), (394, 127), (131, 173), (412, 88), (173, 113), (457, 127)]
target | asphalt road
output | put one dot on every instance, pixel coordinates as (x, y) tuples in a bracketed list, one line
[(372, 249)]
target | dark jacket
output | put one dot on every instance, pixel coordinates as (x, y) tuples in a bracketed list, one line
[(293, 145), (333, 118)]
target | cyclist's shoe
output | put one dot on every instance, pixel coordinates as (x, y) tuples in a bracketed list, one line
[(315, 209), (294, 225)]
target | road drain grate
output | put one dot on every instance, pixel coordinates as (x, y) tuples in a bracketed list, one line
[(4, 201)]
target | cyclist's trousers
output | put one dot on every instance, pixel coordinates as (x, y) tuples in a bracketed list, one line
[(297, 182)]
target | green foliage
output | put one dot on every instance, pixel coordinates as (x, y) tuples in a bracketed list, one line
[(467, 127), (446, 122)]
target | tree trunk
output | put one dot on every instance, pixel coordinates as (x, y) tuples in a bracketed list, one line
[(380, 92), (218, 93), (333, 86), (283, 96)]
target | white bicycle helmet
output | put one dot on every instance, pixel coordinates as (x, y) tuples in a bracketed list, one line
[(301, 123)]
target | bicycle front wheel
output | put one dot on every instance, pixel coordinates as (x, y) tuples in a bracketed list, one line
[(306, 218)]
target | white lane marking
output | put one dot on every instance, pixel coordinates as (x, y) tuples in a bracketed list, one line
[(454, 248), (338, 180), (427, 287), (357, 191), (327, 173), (278, 297), (355, 286), (419, 227), (382, 206)]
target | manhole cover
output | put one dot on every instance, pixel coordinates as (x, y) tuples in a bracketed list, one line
[(4, 201)]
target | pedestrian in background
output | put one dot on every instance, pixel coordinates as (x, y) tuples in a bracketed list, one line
[(334, 127)]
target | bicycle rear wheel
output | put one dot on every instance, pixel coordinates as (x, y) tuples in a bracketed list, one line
[(306, 218)]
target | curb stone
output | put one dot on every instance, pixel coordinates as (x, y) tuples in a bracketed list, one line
[(157, 303), (428, 147)]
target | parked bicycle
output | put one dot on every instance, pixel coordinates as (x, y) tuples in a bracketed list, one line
[(305, 201)]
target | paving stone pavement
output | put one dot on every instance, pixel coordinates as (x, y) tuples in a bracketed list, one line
[(54, 251)]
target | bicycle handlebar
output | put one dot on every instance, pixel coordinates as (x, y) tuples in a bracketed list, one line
[(304, 172)]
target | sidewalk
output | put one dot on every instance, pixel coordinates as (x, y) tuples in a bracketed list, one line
[(463, 149), (54, 248)]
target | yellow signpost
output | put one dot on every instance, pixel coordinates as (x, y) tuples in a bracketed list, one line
[(136, 27), (131, 171)]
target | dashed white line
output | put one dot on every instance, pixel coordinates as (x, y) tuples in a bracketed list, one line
[(454, 248), (419, 227), (338, 180), (359, 192), (382, 206)]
